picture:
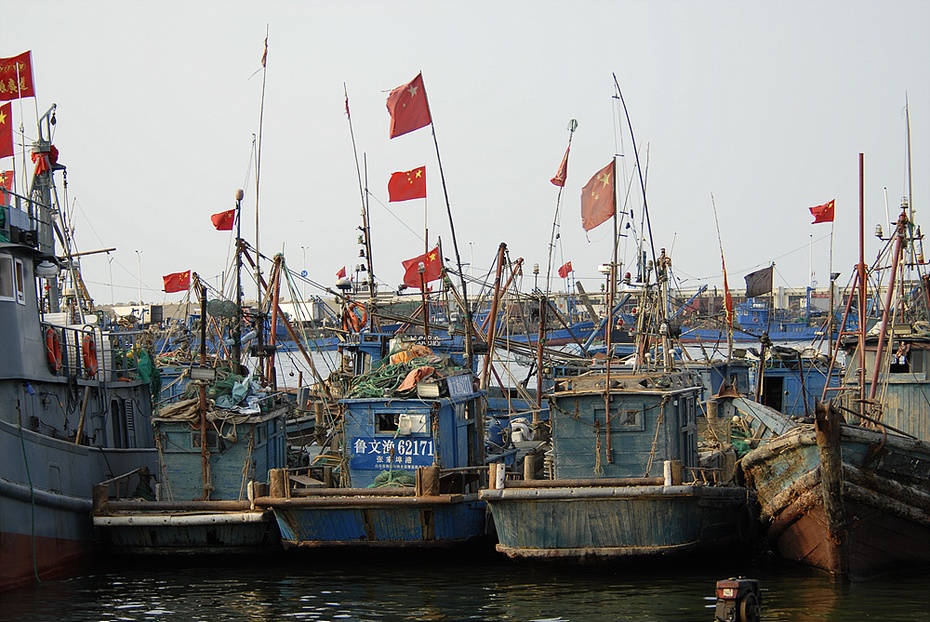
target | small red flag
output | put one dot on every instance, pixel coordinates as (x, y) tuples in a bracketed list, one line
[(407, 185), (6, 130), (6, 185), (342, 273), (177, 282), (565, 270), (224, 221), (16, 77), (408, 107), (432, 264), (598, 198), (562, 174), (823, 213)]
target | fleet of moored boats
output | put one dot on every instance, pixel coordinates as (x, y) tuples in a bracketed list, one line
[(416, 439)]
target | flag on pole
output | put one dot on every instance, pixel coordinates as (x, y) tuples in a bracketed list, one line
[(341, 274), (408, 107), (759, 282), (16, 77), (224, 221), (177, 281), (407, 185), (598, 198), (6, 185), (265, 53), (562, 174), (432, 264), (565, 270), (823, 213), (6, 130), (727, 298)]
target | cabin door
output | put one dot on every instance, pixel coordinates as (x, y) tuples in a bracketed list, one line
[(773, 392)]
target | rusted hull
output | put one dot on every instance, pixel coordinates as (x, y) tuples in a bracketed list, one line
[(881, 518), (26, 558), (380, 522), (585, 524)]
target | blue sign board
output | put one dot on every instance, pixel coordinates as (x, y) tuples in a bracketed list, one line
[(391, 453)]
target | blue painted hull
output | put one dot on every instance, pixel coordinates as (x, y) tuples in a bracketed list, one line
[(413, 522), (602, 523)]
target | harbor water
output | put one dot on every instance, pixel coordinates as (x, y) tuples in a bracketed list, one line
[(311, 585)]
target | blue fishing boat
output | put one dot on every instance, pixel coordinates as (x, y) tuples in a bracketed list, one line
[(76, 396), (406, 466)]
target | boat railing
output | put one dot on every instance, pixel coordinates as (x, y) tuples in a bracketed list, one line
[(317, 480), (135, 484), (88, 352)]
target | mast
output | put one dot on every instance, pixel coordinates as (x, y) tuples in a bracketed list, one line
[(237, 325), (861, 277), (258, 170)]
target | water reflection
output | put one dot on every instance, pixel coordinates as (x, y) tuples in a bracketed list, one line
[(312, 587)]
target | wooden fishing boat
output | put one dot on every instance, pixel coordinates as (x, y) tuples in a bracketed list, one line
[(851, 494)]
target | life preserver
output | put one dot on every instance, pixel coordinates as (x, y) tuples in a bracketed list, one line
[(89, 352), (53, 349), (355, 317)]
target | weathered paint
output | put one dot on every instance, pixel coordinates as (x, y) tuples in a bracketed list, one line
[(885, 493), (591, 523), (410, 524)]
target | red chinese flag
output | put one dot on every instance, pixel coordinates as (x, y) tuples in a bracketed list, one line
[(823, 213), (562, 174), (342, 273), (407, 185), (177, 282), (432, 264), (6, 130), (408, 107), (565, 270), (224, 221), (16, 77), (598, 198)]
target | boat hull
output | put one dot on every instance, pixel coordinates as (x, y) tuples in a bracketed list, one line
[(882, 520), (402, 522), (210, 531), (45, 502), (602, 523)]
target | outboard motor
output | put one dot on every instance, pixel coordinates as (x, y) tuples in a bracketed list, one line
[(738, 600)]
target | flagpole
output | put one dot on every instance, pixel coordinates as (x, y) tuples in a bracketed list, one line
[(572, 126), (258, 170), (727, 308), (469, 347)]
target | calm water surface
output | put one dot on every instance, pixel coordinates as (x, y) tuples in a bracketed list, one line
[(343, 588)]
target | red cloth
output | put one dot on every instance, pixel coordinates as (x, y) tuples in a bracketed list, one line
[(6, 130), (562, 174), (177, 282), (16, 77), (224, 221), (6, 184), (432, 263), (407, 185), (823, 213), (408, 107), (565, 270), (415, 376), (598, 198), (342, 273)]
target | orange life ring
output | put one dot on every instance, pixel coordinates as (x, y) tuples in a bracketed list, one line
[(53, 349), (355, 317), (89, 350)]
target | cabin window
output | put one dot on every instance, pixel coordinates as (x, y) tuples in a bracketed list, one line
[(624, 419), (907, 361), (260, 434), (6, 277), (19, 282), (211, 440), (385, 422)]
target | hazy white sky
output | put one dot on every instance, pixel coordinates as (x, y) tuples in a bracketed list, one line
[(763, 105)]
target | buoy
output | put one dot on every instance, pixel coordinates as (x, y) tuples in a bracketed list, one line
[(89, 352), (53, 350)]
